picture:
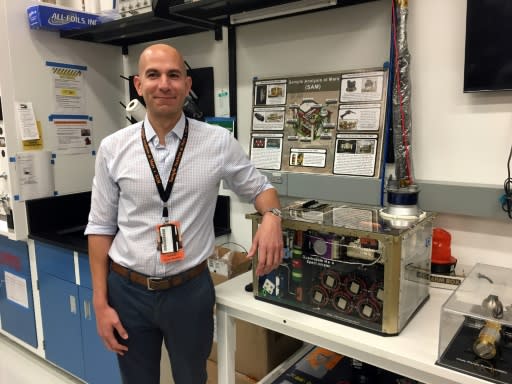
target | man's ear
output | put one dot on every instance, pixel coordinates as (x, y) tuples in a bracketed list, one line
[(188, 81), (137, 84)]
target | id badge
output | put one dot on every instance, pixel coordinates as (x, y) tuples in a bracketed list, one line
[(170, 242)]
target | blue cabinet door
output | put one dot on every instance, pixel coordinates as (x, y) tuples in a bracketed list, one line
[(100, 364), (60, 311), (16, 299), (55, 261)]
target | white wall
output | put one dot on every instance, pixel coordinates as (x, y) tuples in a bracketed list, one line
[(460, 137), (347, 38), (24, 77), (456, 137)]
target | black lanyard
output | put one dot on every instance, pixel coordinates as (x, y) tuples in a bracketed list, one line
[(165, 194)]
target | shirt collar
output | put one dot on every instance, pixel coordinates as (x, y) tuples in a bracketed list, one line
[(178, 129)]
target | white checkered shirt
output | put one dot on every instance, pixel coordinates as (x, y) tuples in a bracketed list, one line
[(126, 202)]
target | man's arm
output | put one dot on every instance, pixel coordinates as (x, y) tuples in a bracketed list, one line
[(106, 317), (268, 240)]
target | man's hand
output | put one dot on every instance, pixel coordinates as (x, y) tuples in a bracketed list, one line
[(107, 321), (268, 242)]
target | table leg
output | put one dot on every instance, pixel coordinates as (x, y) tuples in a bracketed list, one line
[(226, 344)]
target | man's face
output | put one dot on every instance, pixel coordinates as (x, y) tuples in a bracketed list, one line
[(162, 82)]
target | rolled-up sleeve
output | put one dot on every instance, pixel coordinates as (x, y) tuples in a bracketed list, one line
[(104, 198), (240, 174)]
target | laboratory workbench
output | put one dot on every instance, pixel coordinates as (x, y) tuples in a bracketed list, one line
[(412, 353)]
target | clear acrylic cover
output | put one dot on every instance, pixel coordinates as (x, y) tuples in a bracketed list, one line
[(476, 325), (344, 263)]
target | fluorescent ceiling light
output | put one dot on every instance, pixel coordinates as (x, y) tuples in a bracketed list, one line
[(280, 10)]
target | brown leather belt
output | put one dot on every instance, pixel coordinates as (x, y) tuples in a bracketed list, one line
[(158, 283)]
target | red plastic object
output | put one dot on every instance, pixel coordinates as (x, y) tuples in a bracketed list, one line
[(442, 259)]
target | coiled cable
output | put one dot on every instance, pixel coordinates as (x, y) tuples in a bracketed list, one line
[(506, 199)]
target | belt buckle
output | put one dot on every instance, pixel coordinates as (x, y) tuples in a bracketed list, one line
[(150, 280)]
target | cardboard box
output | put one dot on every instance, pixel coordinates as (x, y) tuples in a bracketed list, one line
[(211, 367), (165, 367), (55, 19), (223, 268), (258, 350), (213, 374)]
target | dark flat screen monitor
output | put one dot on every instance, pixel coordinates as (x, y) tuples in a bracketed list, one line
[(488, 54)]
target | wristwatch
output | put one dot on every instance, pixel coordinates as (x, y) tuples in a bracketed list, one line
[(275, 212)]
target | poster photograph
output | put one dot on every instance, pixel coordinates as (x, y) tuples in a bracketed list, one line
[(268, 119), (329, 123), (266, 150)]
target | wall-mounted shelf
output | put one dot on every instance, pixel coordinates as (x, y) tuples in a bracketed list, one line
[(177, 18), (139, 29)]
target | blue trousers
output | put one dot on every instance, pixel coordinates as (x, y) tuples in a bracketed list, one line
[(181, 316)]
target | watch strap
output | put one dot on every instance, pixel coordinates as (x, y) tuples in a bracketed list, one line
[(274, 211)]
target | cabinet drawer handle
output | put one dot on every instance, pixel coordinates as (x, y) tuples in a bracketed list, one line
[(87, 310), (72, 304)]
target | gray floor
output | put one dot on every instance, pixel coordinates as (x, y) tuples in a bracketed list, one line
[(20, 366)]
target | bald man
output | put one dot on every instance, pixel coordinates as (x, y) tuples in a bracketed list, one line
[(150, 228)]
